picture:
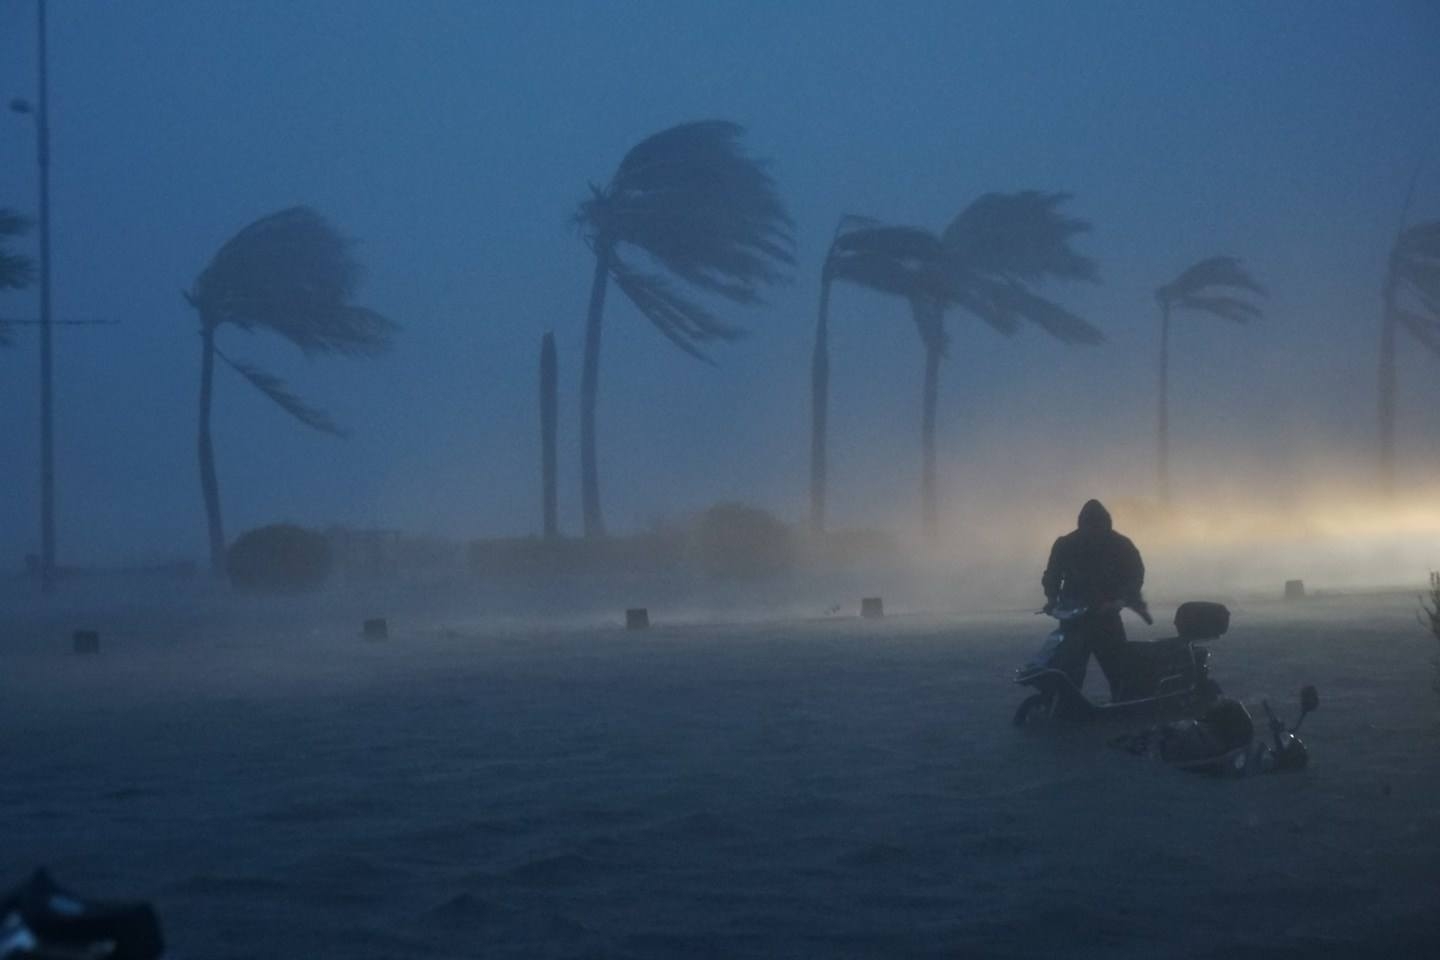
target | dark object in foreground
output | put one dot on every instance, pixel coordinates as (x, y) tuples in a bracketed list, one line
[(1171, 674), (1221, 742), (86, 641), (872, 608), (376, 628), (637, 618), (42, 921), (1294, 589), (280, 558)]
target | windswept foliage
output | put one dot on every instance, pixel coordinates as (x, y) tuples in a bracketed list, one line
[(1214, 286), (16, 270), (691, 201), (686, 214), (1414, 279), (1411, 298), (292, 274), (1000, 247), (1022, 237), (277, 390)]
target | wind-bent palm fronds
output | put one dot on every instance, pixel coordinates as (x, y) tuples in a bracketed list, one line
[(1411, 303), (1216, 286), (688, 202), (293, 275), (986, 262), (1022, 237), (16, 270)]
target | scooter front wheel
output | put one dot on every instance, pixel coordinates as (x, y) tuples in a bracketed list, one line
[(1034, 710)]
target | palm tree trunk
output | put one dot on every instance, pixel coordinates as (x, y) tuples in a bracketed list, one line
[(1163, 432), (47, 379), (209, 486), (819, 408), (589, 389), (1387, 394), (548, 409), (928, 508)]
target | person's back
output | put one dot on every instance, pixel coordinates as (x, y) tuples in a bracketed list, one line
[(1093, 565), (1099, 569)]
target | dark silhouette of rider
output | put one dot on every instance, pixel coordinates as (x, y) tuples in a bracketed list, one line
[(1096, 568)]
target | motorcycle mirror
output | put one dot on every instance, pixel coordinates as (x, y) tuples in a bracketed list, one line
[(1309, 698)]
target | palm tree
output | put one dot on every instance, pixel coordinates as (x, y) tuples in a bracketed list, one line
[(901, 261), (292, 274), (15, 270), (1411, 298), (998, 252), (691, 202), (1214, 286), (987, 263)]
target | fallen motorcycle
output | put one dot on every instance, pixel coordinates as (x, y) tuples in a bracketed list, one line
[(1222, 741), (40, 920)]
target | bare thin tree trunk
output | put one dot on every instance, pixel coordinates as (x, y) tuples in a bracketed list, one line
[(589, 391), (1387, 394), (549, 401), (927, 316), (1163, 432), (928, 505), (209, 486), (820, 408), (47, 379)]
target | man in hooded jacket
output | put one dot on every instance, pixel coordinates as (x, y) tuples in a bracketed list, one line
[(1096, 568)]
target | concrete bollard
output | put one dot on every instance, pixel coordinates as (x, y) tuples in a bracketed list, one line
[(1294, 589), (637, 618), (376, 628), (86, 641), (872, 608)]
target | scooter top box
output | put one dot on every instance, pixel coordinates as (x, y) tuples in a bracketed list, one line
[(1202, 620)]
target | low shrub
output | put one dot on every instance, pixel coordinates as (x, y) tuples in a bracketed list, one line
[(735, 541), (1430, 617), (279, 558)]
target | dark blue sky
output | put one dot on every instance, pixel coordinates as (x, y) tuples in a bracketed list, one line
[(452, 140)]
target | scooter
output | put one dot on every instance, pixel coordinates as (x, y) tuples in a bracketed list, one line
[(1165, 674)]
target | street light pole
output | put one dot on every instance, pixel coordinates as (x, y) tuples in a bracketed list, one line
[(47, 431)]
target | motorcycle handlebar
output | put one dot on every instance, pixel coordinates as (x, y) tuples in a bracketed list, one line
[(1142, 611)]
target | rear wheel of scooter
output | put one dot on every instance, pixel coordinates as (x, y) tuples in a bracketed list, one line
[(1035, 710)]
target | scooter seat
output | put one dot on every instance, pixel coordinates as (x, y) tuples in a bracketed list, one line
[(1158, 651)]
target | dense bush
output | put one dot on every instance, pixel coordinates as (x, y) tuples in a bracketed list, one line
[(280, 558), (733, 540)]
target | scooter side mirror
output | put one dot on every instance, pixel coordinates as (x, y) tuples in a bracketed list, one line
[(1309, 698)]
